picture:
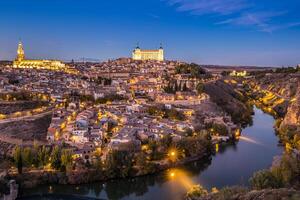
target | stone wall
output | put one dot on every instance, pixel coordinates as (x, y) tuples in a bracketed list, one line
[(7, 107), (33, 128)]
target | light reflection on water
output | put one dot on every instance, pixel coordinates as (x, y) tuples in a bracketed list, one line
[(232, 165)]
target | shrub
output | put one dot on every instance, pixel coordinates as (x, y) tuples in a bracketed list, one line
[(264, 179), (196, 191)]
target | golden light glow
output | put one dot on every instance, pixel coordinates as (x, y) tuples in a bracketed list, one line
[(237, 133), (139, 54), (181, 177), (173, 154), (145, 147), (172, 174), (247, 139), (288, 146), (217, 148), (21, 62)]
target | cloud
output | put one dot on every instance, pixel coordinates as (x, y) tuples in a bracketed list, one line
[(199, 7), (261, 20), (235, 13)]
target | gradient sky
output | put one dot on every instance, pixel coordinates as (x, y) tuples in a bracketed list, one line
[(230, 32)]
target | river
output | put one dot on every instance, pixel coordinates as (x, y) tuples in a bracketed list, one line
[(232, 165)]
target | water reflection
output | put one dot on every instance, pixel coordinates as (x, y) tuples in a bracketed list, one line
[(247, 139), (233, 164)]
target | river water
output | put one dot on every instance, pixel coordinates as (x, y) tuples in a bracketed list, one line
[(232, 165)]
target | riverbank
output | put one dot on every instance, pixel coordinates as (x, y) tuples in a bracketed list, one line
[(248, 155), (281, 180), (34, 178)]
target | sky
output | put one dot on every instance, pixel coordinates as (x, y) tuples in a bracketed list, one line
[(225, 32)]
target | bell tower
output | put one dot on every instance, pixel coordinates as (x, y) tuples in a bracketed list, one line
[(20, 52)]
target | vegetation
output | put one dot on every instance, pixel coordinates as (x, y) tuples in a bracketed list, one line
[(109, 98), (194, 70), (103, 80), (289, 135), (56, 158), (166, 113), (196, 191), (287, 70), (66, 159), (264, 179), (41, 156), (174, 87), (200, 88), (218, 128), (285, 174), (228, 192), (193, 146), (119, 163), (16, 96), (18, 159)]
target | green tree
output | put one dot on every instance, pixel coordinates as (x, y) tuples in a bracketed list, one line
[(119, 163), (66, 158), (264, 179), (18, 159), (27, 156), (35, 158), (200, 88), (43, 156), (141, 159), (55, 158), (184, 87), (196, 191), (288, 170)]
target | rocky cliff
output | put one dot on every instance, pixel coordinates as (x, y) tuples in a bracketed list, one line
[(285, 86), (230, 100)]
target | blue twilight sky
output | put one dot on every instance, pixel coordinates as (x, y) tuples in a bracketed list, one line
[(231, 32)]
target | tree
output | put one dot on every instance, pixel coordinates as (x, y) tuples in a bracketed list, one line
[(184, 87), (119, 163), (188, 132), (55, 158), (264, 179), (66, 158), (225, 73), (35, 158), (43, 156), (18, 159), (196, 192), (288, 170), (141, 159), (27, 156), (200, 88)]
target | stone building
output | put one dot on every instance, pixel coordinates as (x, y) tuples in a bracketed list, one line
[(141, 54), (21, 62)]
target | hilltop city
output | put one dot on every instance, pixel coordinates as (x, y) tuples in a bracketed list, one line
[(79, 122)]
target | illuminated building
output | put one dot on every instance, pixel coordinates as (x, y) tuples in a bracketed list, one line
[(139, 54), (235, 73), (21, 62)]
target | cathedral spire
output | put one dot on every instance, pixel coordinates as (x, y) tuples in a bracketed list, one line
[(20, 52)]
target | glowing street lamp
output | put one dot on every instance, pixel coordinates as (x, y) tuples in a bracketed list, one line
[(172, 155), (172, 174)]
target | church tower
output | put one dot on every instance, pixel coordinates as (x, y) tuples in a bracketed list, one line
[(20, 52)]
